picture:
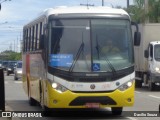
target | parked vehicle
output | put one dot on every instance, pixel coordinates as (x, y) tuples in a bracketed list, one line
[(0, 64), (18, 70), (147, 57), (10, 67), (4, 64)]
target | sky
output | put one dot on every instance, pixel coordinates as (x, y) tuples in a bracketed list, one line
[(15, 14)]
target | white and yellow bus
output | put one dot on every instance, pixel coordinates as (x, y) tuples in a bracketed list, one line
[(63, 63)]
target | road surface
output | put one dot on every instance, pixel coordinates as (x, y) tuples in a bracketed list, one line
[(146, 102)]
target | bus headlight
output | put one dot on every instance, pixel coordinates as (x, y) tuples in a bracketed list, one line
[(126, 86), (60, 88), (157, 69)]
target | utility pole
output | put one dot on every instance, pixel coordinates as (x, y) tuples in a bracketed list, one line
[(102, 2), (10, 47), (14, 46), (17, 44), (127, 3)]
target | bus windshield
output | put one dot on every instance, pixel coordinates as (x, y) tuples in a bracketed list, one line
[(90, 45)]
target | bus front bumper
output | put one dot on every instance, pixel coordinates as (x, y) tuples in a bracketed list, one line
[(69, 99)]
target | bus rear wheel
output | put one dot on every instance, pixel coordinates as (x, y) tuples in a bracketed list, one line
[(117, 110), (32, 102), (151, 86)]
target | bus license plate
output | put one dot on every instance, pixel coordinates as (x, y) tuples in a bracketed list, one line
[(92, 105)]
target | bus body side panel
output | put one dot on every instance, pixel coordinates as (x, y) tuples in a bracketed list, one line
[(26, 74), (36, 74), (33, 72)]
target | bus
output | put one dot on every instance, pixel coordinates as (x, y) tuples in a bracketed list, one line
[(63, 63)]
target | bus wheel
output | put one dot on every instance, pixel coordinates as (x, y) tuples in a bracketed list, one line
[(151, 86), (32, 102), (138, 83), (15, 78), (46, 111), (117, 110), (7, 73)]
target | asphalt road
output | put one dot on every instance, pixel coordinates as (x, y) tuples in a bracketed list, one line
[(146, 103)]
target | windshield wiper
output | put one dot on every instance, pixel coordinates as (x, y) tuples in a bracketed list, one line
[(77, 55), (98, 48)]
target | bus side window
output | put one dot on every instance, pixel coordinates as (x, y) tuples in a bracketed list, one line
[(36, 36), (39, 35)]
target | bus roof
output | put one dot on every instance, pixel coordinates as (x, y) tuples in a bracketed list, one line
[(84, 9), (63, 10)]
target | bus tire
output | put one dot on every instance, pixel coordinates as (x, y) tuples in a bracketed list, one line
[(32, 102), (138, 83), (46, 111), (117, 110), (7, 73), (151, 86), (15, 78)]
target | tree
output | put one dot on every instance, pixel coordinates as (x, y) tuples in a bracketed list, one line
[(154, 11), (15, 56), (137, 11), (10, 55), (139, 15)]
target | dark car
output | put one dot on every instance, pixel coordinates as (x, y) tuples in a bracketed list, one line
[(4, 65), (10, 67)]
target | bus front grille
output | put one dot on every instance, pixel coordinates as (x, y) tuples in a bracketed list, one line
[(103, 100)]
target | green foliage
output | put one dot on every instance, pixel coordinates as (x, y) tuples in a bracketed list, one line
[(10, 55), (139, 3), (154, 11), (139, 15), (15, 56)]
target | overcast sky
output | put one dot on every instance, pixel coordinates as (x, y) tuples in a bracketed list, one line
[(16, 13)]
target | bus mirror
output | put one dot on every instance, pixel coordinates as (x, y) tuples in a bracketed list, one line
[(137, 38), (41, 42), (146, 54)]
